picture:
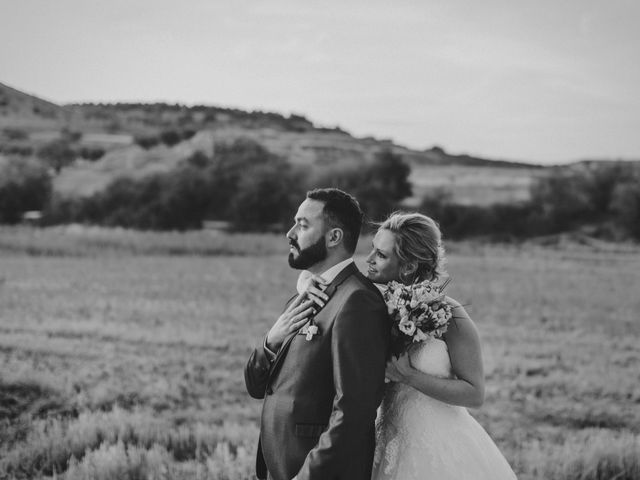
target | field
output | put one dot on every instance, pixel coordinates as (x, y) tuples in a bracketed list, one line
[(470, 185), (122, 353)]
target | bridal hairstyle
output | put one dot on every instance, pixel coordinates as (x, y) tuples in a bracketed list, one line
[(340, 210), (418, 240)]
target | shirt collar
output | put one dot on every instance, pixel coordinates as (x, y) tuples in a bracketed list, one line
[(329, 275)]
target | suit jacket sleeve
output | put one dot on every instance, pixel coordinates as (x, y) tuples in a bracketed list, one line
[(256, 372), (359, 346)]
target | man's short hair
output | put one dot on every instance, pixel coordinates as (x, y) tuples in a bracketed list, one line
[(340, 210)]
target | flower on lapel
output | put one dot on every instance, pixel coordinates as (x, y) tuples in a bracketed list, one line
[(311, 331)]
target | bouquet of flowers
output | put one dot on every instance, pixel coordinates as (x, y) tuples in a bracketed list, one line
[(418, 311)]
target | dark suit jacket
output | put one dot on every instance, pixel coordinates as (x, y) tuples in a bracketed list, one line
[(321, 395)]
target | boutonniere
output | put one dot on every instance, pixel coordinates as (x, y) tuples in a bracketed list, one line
[(309, 330)]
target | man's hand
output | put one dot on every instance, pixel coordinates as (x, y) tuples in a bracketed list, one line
[(315, 290), (294, 317)]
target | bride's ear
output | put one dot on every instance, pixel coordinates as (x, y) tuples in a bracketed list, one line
[(408, 271), (410, 268)]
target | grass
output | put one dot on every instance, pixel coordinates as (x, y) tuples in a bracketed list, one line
[(91, 241), (127, 362)]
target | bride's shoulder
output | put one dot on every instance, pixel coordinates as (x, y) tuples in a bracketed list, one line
[(457, 308), (460, 318)]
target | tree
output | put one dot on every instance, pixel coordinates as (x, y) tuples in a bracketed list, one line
[(170, 137), (147, 141), (379, 186), (24, 185), (231, 163), (57, 154), (266, 197), (625, 205)]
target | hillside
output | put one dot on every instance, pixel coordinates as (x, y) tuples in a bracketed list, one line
[(28, 122)]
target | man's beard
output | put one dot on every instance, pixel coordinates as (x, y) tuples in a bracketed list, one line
[(309, 256)]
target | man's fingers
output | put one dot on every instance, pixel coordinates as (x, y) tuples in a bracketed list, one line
[(307, 303), (317, 279), (298, 323), (316, 299), (296, 302), (304, 315), (317, 293)]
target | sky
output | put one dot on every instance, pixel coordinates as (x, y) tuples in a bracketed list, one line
[(544, 81)]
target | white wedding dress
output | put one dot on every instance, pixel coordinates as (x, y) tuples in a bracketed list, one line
[(421, 438)]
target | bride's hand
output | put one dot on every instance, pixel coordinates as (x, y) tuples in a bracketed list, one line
[(399, 369)]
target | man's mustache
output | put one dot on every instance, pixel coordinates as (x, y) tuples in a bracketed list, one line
[(294, 244)]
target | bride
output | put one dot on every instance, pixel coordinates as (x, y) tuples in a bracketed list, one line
[(423, 430)]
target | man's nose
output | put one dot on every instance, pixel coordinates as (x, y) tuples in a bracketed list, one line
[(291, 233)]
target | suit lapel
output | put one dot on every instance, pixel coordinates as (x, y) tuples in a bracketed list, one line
[(330, 290)]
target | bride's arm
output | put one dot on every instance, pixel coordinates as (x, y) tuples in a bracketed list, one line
[(463, 342)]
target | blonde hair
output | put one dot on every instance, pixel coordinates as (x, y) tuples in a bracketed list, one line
[(417, 240)]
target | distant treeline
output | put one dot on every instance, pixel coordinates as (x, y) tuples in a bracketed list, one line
[(156, 116), (252, 189), (243, 184), (600, 198)]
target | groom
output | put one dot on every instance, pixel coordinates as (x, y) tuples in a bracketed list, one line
[(322, 380)]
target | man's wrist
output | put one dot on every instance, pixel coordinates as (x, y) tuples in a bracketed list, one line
[(269, 351)]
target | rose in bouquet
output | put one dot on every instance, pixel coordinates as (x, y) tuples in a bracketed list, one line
[(418, 311)]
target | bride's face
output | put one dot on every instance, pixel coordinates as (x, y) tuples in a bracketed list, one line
[(384, 264)]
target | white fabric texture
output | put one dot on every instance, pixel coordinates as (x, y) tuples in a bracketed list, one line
[(421, 438)]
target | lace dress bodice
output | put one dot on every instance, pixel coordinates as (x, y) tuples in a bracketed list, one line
[(419, 437)]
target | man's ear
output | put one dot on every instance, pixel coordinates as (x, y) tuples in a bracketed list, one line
[(334, 237)]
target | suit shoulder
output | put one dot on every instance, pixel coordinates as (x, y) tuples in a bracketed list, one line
[(360, 290)]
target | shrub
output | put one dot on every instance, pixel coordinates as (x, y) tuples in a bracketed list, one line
[(91, 153), (170, 137), (625, 206), (379, 186), (24, 185), (57, 154), (15, 134), (147, 141), (265, 199)]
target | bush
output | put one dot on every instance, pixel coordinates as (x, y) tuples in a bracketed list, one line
[(91, 153), (233, 162), (147, 141), (170, 137), (15, 134), (605, 197), (24, 185), (57, 154), (498, 222), (379, 186), (266, 197), (188, 133), (588, 193), (244, 184), (625, 206)]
